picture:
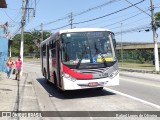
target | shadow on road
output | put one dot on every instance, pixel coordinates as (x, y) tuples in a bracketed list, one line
[(72, 94)]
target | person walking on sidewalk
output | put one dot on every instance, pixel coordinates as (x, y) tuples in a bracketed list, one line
[(9, 65), (18, 66)]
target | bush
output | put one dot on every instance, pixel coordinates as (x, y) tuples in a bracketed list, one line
[(141, 60), (28, 57)]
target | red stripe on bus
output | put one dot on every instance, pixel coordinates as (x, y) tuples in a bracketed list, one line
[(76, 74)]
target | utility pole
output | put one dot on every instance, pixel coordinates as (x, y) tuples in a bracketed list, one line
[(10, 51), (71, 20), (156, 56), (22, 33), (121, 46)]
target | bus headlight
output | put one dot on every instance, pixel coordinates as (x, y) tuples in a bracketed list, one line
[(113, 74), (67, 76)]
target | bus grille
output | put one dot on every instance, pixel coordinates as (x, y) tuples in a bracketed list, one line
[(92, 71)]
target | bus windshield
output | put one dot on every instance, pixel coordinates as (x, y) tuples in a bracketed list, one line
[(87, 47)]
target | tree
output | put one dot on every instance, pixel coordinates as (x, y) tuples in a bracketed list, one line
[(31, 43), (157, 18)]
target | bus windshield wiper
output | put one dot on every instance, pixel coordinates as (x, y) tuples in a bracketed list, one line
[(99, 53), (79, 62)]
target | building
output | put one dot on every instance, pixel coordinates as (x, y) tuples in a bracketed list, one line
[(3, 4), (3, 40)]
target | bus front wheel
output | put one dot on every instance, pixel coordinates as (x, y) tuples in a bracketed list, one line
[(99, 88), (55, 80)]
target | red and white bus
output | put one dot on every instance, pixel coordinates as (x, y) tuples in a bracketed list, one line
[(80, 58)]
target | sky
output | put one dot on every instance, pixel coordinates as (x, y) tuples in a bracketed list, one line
[(115, 15)]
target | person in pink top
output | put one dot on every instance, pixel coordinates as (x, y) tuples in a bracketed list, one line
[(18, 66)]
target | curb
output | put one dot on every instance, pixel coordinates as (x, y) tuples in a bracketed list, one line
[(138, 70)]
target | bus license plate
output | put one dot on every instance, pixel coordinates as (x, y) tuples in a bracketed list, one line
[(91, 84)]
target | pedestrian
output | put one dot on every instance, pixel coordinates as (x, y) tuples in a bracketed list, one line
[(9, 65), (18, 66)]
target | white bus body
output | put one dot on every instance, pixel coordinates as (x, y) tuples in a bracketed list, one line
[(80, 58)]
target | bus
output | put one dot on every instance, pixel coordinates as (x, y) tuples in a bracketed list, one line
[(80, 58)]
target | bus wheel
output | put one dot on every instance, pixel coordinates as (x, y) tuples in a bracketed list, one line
[(45, 75), (55, 80), (99, 88), (56, 84)]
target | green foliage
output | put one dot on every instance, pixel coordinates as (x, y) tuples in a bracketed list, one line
[(136, 56), (31, 43), (141, 59), (157, 18)]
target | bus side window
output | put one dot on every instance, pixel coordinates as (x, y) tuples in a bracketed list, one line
[(50, 45), (53, 53), (53, 50)]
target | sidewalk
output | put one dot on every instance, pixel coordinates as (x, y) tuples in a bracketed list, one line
[(138, 70), (17, 95), (8, 93)]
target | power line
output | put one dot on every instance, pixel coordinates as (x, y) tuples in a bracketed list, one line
[(85, 11), (90, 10), (96, 7), (9, 16), (135, 29), (26, 10), (56, 20), (17, 17), (131, 23), (37, 2), (61, 27), (109, 13), (126, 19), (138, 8), (17, 30), (101, 16), (122, 16), (123, 20)]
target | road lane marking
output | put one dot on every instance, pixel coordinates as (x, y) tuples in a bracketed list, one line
[(138, 82), (134, 98)]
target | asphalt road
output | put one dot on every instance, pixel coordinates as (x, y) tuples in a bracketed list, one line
[(136, 92), (141, 85)]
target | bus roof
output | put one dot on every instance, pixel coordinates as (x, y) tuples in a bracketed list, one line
[(54, 35), (82, 30)]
